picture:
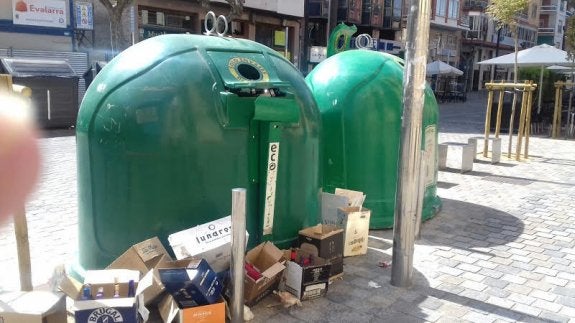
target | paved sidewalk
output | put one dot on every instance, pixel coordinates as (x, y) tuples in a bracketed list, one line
[(502, 249)]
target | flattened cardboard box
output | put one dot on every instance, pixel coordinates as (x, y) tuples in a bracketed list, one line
[(212, 313), (306, 281), (32, 307), (356, 234), (191, 282), (270, 261), (121, 309), (327, 240), (211, 241)]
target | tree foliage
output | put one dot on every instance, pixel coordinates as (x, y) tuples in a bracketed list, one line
[(505, 12)]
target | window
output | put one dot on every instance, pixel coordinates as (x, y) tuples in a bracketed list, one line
[(533, 11), (453, 9), (441, 8)]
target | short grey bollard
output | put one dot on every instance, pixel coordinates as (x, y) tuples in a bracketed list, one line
[(467, 155), (495, 148)]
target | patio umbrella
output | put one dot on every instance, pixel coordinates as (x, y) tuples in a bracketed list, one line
[(540, 55), (439, 67)]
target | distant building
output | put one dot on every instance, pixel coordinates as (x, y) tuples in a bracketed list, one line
[(275, 23), (485, 40), (552, 20)]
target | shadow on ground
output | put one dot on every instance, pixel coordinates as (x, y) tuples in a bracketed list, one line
[(54, 133), (460, 225), (466, 225)]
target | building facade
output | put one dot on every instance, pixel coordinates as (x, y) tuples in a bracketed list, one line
[(552, 20), (485, 40), (276, 24)]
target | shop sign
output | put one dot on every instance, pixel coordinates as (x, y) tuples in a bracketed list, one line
[(46, 13), (84, 15), (146, 33)]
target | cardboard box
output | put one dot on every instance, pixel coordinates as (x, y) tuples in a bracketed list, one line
[(355, 221), (169, 311), (306, 281), (327, 241), (142, 256), (269, 260), (145, 257), (191, 282), (211, 241), (120, 309), (342, 198), (32, 307)]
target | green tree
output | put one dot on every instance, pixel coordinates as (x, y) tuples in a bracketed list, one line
[(505, 13)]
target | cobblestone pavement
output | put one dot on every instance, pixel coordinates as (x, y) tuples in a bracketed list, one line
[(502, 248)]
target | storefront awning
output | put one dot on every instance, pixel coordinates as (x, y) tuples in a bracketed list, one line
[(23, 67)]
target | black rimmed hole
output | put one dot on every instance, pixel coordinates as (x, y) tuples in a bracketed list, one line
[(249, 72)]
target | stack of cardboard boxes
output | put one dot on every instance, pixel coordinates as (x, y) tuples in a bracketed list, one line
[(146, 284)]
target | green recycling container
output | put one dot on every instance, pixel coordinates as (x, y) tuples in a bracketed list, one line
[(171, 125), (359, 94)]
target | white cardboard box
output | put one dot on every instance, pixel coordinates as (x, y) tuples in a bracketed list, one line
[(342, 198), (355, 221), (32, 307), (211, 241)]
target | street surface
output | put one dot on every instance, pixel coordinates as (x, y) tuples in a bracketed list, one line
[(501, 250)]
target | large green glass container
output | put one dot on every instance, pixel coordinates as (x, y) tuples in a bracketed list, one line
[(170, 126), (359, 94)]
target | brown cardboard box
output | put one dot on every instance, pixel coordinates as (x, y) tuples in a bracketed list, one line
[(327, 240), (270, 261), (355, 221), (145, 257), (142, 256), (32, 307)]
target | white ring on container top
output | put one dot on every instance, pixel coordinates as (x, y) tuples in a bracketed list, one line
[(210, 16), (363, 41), (222, 19)]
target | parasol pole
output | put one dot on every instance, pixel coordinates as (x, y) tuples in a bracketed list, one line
[(540, 91)]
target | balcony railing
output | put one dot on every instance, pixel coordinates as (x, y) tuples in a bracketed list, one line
[(548, 8), (475, 5), (546, 30)]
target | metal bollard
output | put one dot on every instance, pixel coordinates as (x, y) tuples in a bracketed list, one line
[(238, 252)]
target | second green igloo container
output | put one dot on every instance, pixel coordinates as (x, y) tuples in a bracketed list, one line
[(359, 94), (170, 126)]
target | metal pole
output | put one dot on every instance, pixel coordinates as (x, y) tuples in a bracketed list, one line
[(238, 251), (540, 90), (416, 44)]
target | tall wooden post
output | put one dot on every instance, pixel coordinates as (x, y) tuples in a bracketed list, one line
[(20, 223)]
